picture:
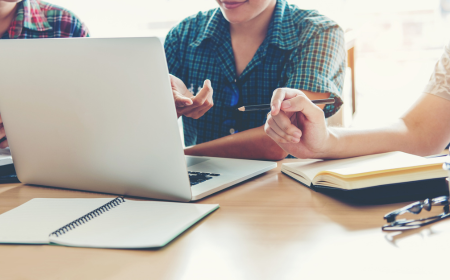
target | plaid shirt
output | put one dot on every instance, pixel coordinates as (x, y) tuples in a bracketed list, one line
[(302, 50), (37, 19)]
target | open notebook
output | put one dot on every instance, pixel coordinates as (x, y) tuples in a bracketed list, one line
[(394, 169), (99, 222)]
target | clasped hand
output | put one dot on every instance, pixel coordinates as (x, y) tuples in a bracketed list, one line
[(186, 103), (296, 124)]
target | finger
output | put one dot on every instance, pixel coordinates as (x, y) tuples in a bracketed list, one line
[(273, 125), (2, 132), (185, 111), (4, 144), (3, 140), (181, 94), (301, 103), (281, 124), (181, 101), (285, 124), (201, 111), (294, 134), (273, 135), (278, 96), (202, 102), (196, 112), (192, 111), (205, 94)]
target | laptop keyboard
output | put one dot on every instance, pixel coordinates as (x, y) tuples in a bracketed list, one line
[(200, 177)]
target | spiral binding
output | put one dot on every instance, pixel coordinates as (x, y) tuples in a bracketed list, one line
[(86, 218)]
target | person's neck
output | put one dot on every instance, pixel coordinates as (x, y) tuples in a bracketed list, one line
[(254, 28), (7, 13)]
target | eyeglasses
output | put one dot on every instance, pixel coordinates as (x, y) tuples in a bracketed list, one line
[(416, 208)]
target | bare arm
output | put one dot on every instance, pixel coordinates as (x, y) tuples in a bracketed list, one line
[(249, 144), (424, 130)]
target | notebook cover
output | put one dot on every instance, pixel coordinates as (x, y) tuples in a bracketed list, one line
[(391, 193)]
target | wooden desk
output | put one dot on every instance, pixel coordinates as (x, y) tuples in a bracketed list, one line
[(268, 228)]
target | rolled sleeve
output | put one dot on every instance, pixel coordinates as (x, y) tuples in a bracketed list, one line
[(320, 66)]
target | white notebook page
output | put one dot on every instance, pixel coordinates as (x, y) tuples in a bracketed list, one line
[(136, 224), (33, 221)]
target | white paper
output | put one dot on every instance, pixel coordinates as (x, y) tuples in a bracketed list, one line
[(136, 224), (33, 221)]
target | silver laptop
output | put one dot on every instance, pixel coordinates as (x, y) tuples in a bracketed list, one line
[(98, 115)]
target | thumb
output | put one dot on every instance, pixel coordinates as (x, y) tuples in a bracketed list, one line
[(301, 103), (279, 95), (205, 92)]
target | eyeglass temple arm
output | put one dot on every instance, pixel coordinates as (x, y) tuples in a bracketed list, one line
[(440, 200), (390, 217)]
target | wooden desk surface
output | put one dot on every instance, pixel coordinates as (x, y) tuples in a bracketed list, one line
[(268, 228)]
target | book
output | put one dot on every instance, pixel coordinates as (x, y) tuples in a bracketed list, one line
[(99, 222), (393, 176)]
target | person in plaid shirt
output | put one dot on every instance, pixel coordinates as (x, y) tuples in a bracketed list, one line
[(246, 50), (30, 19)]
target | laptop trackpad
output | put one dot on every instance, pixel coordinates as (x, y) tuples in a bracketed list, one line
[(195, 160)]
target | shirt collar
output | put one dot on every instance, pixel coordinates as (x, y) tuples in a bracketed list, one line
[(282, 32), (216, 29), (29, 16)]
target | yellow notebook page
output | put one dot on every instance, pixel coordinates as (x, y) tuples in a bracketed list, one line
[(392, 162), (404, 172)]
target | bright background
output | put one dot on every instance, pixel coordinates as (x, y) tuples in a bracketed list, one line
[(398, 42)]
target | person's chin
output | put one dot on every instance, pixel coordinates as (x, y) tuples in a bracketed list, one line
[(234, 17)]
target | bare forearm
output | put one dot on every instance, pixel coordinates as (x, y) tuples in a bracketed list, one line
[(249, 144), (357, 142), (424, 130)]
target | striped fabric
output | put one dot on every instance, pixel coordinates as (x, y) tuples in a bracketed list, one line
[(302, 50), (38, 19)]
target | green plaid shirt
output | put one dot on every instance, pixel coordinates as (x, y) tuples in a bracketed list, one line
[(302, 50)]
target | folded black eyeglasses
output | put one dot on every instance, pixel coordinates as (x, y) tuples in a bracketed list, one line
[(416, 208)]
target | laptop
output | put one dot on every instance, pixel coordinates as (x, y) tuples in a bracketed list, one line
[(97, 114)]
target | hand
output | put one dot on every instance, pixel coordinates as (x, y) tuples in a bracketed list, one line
[(3, 140), (186, 103), (296, 124)]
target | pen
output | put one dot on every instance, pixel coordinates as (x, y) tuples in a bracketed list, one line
[(267, 106)]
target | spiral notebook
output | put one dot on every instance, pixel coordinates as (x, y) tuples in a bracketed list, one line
[(99, 222)]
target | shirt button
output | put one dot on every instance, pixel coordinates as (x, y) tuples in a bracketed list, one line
[(235, 80), (232, 130)]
